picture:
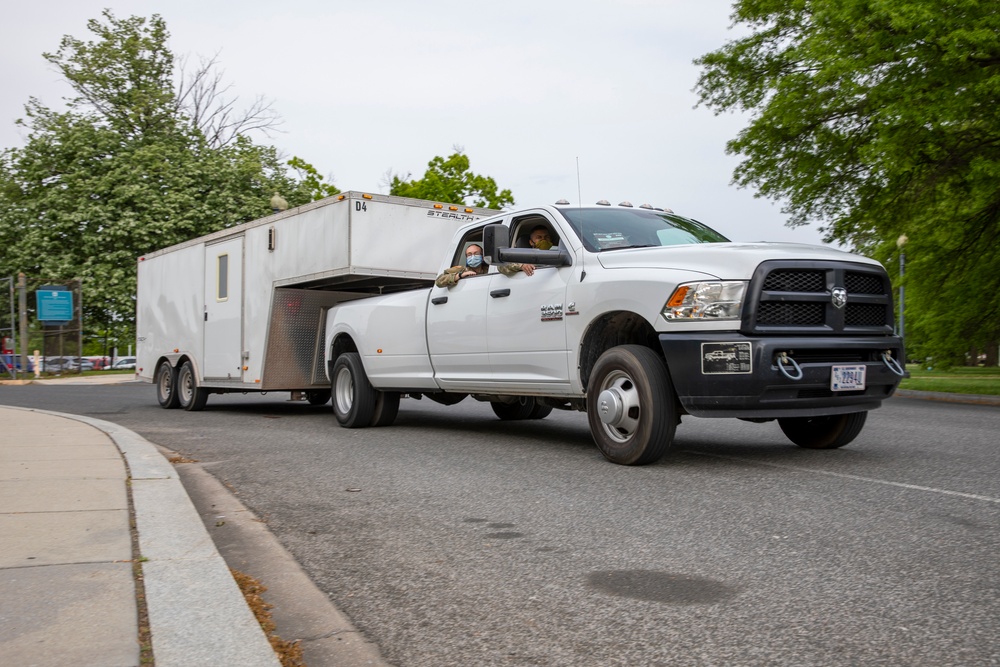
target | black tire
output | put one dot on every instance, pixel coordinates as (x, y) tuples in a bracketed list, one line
[(190, 396), (520, 409), (318, 396), (631, 406), (446, 398), (540, 411), (386, 408), (166, 386), (353, 396), (827, 432)]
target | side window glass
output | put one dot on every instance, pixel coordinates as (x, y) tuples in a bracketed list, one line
[(222, 273)]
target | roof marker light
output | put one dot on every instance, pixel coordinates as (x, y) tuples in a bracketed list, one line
[(626, 203), (603, 202)]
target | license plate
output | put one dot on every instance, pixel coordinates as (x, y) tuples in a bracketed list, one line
[(847, 378)]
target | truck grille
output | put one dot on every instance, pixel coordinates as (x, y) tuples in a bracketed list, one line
[(799, 297)]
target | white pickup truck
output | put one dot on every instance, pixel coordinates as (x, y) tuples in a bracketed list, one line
[(636, 316)]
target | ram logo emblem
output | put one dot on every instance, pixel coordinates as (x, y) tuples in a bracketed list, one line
[(839, 297)]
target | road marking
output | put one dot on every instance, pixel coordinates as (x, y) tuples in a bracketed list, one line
[(859, 478)]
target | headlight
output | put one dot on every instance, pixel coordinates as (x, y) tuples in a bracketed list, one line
[(718, 300)]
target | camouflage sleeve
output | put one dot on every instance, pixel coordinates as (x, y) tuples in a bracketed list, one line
[(449, 277), (509, 269)]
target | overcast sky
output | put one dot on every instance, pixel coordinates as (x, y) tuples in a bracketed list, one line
[(529, 90)]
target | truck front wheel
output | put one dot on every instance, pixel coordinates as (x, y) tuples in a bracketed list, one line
[(827, 432), (166, 386), (353, 395), (630, 405), (190, 396)]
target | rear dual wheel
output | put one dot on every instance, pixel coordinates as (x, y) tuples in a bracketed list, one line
[(356, 404), (526, 407), (827, 432)]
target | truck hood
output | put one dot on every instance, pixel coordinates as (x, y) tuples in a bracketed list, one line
[(725, 261)]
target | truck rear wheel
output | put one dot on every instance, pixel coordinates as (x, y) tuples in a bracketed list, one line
[(516, 411), (353, 396), (386, 408), (190, 396), (540, 411), (166, 386), (827, 432), (630, 405)]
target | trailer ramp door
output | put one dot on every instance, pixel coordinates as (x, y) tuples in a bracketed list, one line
[(224, 310)]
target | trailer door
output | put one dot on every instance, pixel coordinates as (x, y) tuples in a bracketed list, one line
[(224, 310)]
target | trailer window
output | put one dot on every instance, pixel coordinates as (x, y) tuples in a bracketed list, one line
[(222, 287)]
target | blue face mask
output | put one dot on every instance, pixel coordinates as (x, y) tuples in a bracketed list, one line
[(473, 261)]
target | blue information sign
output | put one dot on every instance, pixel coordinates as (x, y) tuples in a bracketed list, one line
[(55, 305)]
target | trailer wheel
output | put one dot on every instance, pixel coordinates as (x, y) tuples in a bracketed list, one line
[(318, 396), (630, 405), (827, 432), (386, 408), (166, 386), (353, 395), (190, 396)]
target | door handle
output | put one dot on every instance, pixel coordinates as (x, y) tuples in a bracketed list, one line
[(438, 300), (497, 293)]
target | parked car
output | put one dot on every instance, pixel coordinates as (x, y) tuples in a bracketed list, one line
[(61, 364), (81, 364), (124, 363)]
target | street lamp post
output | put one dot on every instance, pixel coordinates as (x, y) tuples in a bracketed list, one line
[(901, 244)]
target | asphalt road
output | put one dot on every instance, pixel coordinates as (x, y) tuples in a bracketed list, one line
[(452, 538)]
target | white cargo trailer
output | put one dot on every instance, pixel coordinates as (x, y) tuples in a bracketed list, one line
[(244, 309)]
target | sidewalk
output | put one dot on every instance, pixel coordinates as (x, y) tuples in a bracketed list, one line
[(67, 591)]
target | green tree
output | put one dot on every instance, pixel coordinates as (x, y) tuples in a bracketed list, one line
[(123, 171), (878, 119), (449, 180), (311, 181)]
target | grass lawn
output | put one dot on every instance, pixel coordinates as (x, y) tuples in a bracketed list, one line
[(959, 380)]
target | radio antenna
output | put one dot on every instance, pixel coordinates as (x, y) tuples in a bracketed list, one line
[(579, 204), (579, 197)]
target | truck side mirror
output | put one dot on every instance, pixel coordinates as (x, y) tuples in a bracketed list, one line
[(495, 238)]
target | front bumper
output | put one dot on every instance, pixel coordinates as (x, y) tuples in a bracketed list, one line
[(711, 381)]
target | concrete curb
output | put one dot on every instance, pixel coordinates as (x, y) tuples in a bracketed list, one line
[(197, 614)]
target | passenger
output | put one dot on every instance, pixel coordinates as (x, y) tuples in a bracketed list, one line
[(540, 238), (476, 266)]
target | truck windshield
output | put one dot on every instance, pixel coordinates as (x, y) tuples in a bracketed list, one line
[(603, 229)]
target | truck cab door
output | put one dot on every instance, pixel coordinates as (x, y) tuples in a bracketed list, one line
[(456, 333), (224, 310), (526, 336)]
